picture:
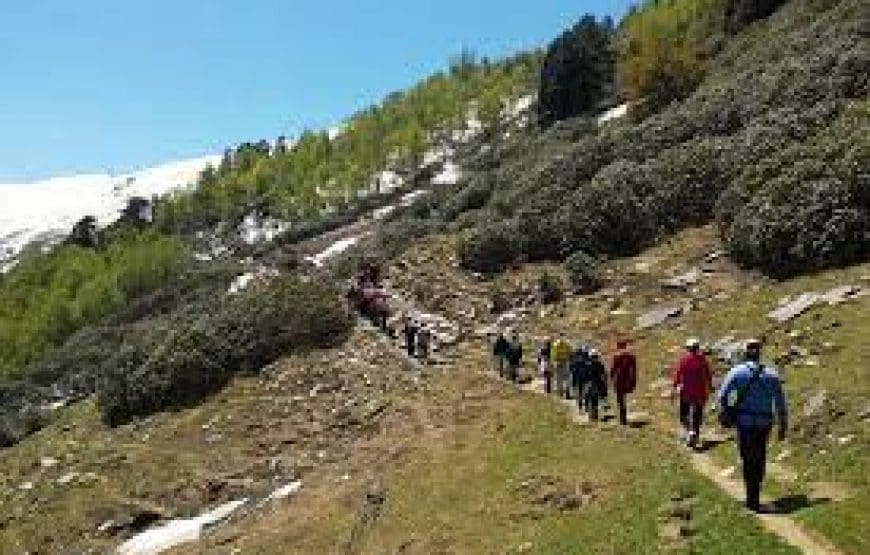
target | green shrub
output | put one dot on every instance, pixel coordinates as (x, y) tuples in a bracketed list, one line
[(584, 272), (208, 344), (489, 249), (550, 288)]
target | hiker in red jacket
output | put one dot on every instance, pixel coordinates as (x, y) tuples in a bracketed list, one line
[(693, 379), (623, 374)]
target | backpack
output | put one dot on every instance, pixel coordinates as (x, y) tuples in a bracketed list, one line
[(728, 413)]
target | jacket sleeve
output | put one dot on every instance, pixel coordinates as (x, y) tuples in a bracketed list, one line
[(708, 375)]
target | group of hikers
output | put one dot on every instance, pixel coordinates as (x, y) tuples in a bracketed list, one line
[(750, 397), (573, 372)]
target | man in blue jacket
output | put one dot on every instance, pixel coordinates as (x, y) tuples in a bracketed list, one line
[(755, 392)]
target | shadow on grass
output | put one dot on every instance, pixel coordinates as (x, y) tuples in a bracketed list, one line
[(709, 444), (794, 503)]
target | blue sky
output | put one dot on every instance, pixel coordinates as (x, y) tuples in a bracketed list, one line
[(96, 85)]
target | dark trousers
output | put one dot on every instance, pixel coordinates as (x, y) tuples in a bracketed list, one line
[(410, 343), (753, 452), (591, 402), (514, 371), (691, 416), (621, 402), (548, 382)]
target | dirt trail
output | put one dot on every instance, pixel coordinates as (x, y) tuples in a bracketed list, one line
[(779, 524)]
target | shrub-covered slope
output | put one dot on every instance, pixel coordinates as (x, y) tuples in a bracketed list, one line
[(776, 129)]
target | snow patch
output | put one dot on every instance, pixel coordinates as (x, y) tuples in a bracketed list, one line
[(449, 175), (333, 250), (285, 491), (613, 113), (387, 181), (177, 532), (254, 230)]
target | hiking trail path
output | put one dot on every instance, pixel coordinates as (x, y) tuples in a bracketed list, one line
[(780, 525)]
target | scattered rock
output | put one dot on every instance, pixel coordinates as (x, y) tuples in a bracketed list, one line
[(684, 281), (815, 404), (845, 440), (48, 462), (793, 308), (841, 294), (67, 478), (659, 315)]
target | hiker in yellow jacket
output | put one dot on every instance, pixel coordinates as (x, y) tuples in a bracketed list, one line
[(561, 360)]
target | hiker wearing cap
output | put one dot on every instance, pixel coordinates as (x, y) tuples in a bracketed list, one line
[(545, 351), (623, 374), (561, 360), (499, 352), (596, 384), (750, 398), (693, 380), (514, 358)]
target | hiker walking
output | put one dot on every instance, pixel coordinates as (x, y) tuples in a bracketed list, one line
[(596, 384), (545, 352), (410, 332), (561, 360), (500, 351), (693, 381), (579, 368), (424, 340), (623, 374), (748, 399), (514, 358)]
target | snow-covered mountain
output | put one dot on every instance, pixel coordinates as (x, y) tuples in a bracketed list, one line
[(45, 211)]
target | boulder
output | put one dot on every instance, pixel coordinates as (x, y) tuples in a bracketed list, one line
[(659, 315)]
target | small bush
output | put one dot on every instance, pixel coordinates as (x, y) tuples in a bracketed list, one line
[(550, 288), (210, 343), (584, 272), (489, 249)]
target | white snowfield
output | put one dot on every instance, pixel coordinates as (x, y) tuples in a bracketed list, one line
[(47, 210)]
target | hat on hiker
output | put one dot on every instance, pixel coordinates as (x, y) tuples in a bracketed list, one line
[(693, 344)]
